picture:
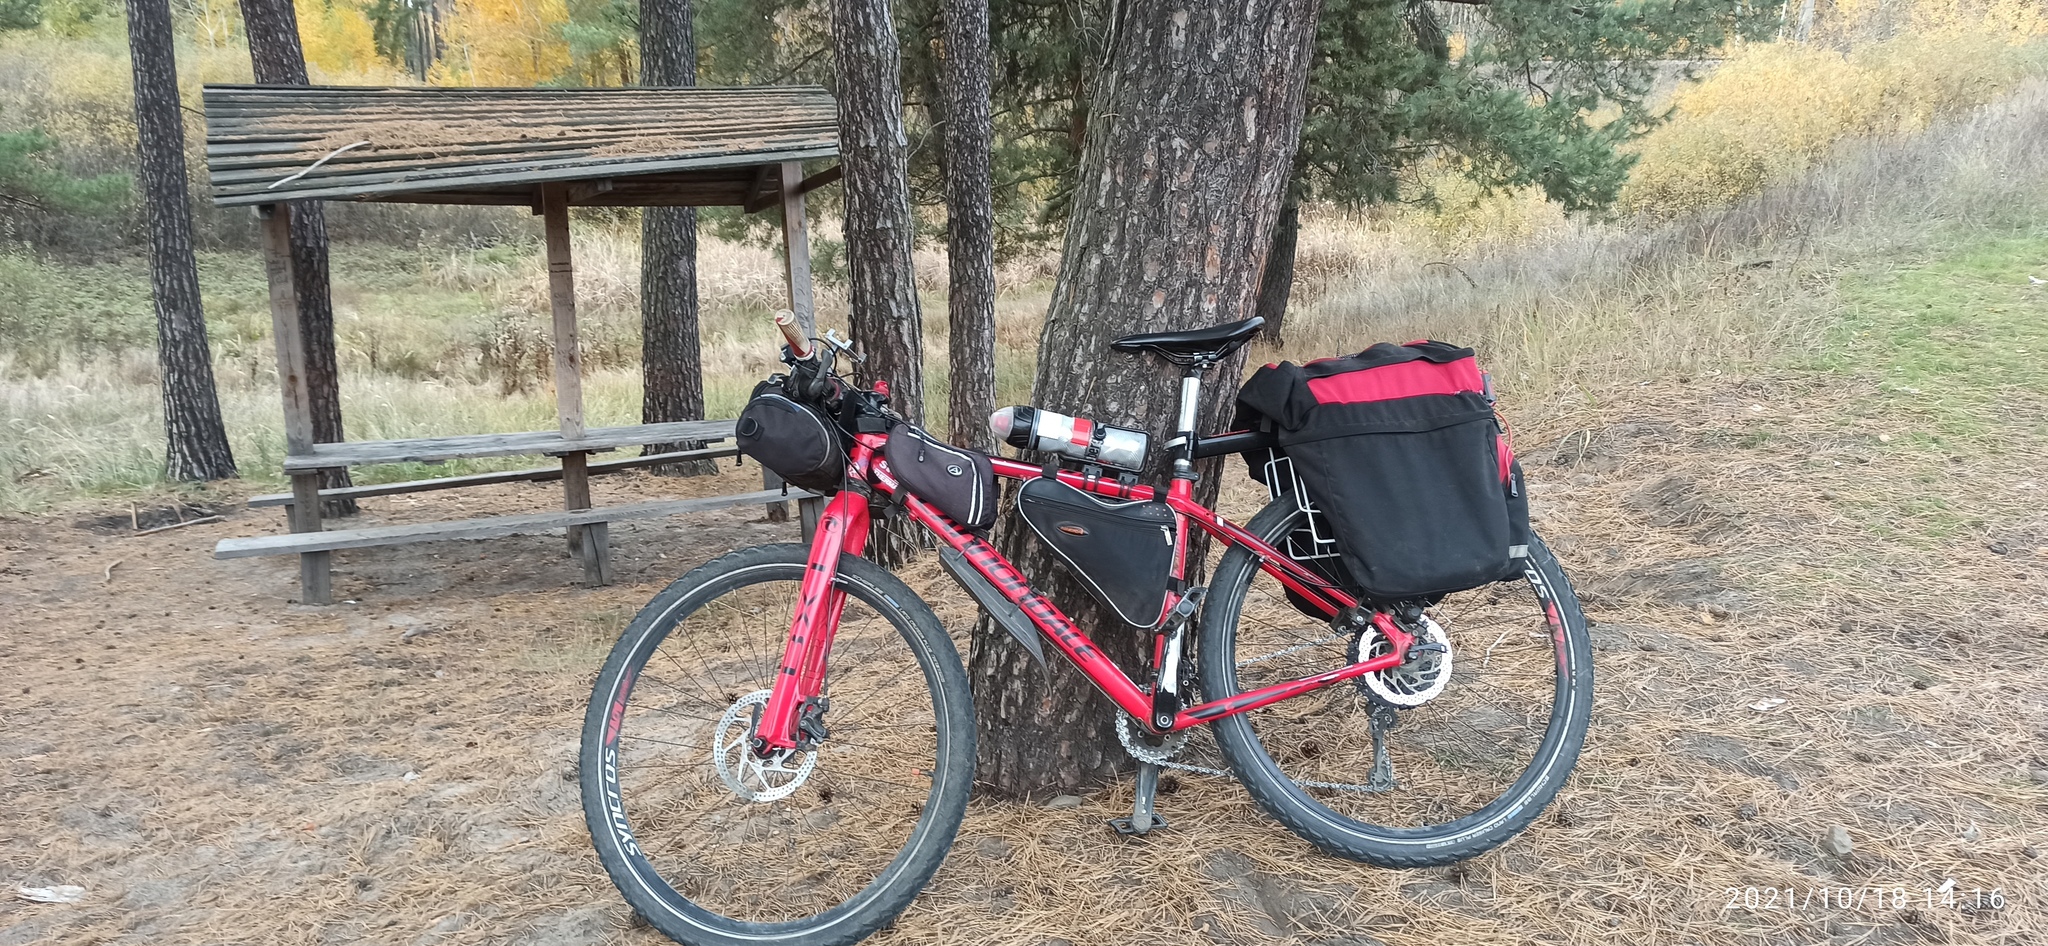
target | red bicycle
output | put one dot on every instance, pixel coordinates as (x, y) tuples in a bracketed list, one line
[(781, 745)]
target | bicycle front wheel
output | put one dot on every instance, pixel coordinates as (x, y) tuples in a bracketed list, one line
[(715, 846), (1432, 762)]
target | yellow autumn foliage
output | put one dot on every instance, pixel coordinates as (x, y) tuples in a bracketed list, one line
[(2015, 21), (1772, 110), (339, 41), (504, 43), (1448, 210)]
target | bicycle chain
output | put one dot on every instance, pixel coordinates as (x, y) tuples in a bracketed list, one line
[(1162, 756)]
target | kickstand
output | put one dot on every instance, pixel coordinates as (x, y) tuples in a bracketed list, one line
[(1143, 818)]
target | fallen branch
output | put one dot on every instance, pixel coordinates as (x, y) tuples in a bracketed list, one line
[(179, 525), (331, 155)]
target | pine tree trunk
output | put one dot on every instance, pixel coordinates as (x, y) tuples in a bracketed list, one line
[(970, 225), (671, 362), (196, 440), (1277, 285), (875, 153), (278, 59), (1196, 115)]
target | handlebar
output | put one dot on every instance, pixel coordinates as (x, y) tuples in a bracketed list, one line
[(799, 346)]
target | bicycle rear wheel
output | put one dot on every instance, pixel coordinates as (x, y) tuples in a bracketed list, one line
[(1425, 764), (716, 847)]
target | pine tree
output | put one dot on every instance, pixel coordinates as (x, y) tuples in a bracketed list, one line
[(1181, 179), (970, 225), (274, 52), (196, 439), (671, 363), (874, 150), (879, 229)]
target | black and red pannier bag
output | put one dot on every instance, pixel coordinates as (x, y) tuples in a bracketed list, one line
[(1403, 464)]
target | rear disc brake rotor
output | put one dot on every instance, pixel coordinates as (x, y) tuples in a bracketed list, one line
[(1413, 683)]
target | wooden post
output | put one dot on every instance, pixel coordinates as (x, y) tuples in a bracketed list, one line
[(796, 258), (554, 201), (316, 578), (796, 247), (589, 544), (807, 512)]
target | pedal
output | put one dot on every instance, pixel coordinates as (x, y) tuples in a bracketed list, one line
[(1143, 819), (1128, 827), (1186, 607), (1166, 702)]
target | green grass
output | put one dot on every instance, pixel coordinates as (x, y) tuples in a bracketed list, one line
[(1957, 338), (1950, 333)]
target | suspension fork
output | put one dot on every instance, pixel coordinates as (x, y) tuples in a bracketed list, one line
[(842, 530)]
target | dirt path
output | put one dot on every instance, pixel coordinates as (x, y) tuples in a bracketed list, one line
[(214, 765)]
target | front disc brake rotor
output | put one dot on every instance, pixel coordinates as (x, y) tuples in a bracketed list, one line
[(743, 771)]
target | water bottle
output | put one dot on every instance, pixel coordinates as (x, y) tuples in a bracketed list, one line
[(1078, 437)]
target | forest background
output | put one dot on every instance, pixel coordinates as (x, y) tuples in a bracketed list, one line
[(441, 311)]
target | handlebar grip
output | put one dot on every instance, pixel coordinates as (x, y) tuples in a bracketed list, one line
[(798, 344)]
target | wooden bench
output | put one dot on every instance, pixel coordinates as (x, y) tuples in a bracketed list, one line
[(589, 541), (535, 475), (299, 543), (321, 456), (589, 537)]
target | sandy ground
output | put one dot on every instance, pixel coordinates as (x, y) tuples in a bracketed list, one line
[(215, 764)]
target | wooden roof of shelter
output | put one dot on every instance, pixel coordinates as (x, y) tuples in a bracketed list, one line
[(618, 147), (549, 149)]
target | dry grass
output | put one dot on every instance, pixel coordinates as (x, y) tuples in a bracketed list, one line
[(1585, 303)]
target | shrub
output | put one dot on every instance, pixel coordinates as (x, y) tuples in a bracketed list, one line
[(27, 180), (1456, 213), (1771, 111)]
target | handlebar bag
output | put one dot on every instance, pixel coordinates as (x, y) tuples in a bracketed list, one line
[(1399, 448), (1123, 551), (962, 483), (797, 441)]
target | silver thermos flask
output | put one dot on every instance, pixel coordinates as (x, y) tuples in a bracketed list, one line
[(1078, 437)]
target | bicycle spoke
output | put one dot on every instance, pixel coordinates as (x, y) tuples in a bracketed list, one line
[(1470, 732), (762, 840)]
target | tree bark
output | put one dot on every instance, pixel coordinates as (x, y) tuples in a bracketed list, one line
[(671, 359), (970, 224), (1196, 117), (1277, 285), (196, 441), (278, 59), (874, 151)]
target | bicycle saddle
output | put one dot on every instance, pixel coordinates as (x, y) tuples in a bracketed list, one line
[(1195, 346)]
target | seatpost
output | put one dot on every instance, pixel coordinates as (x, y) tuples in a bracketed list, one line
[(1184, 434)]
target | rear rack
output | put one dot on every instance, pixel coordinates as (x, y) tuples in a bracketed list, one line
[(1314, 540)]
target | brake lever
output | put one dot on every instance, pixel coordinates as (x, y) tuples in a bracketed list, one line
[(821, 375)]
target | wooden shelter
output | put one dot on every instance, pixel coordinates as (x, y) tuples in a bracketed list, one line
[(548, 149)]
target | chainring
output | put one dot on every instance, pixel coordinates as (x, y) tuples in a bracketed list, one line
[(1161, 754)]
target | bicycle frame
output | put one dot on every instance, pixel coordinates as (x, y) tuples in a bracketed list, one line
[(843, 529)]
